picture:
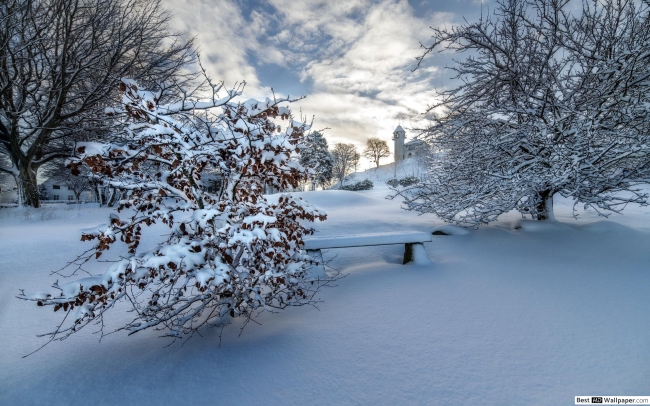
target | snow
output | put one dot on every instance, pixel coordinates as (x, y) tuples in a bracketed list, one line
[(359, 240), (420, 256), (448, 229), (518, 312), (406, 168)]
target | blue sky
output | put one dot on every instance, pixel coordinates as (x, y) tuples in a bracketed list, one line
[(352, 59)]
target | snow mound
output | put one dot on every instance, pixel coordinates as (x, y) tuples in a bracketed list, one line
[(394, 170), (541, 226), (94, 230), (337, 198), (449, 230)]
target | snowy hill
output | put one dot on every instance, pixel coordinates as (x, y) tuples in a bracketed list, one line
[(405, 168), (514, 313)]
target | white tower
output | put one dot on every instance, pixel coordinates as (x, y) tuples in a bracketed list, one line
[(398, 137)]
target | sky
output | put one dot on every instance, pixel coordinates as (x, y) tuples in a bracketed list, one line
[(353, 60)]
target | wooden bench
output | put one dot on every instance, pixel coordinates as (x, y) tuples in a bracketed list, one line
[(412, 240)]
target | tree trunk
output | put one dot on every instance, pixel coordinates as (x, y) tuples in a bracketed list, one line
[(98, 195), (28, 186), (113, 198), (545, 206)]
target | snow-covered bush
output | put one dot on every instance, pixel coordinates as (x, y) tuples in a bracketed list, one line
[(405, 182), (362, 185), (228, 253)]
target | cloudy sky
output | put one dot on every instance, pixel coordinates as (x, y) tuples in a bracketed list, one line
[(353, 59)]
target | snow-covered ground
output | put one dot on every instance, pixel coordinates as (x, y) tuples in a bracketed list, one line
[(505, 316), (379, 175)]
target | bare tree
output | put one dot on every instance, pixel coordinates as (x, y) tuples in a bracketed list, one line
[(345, 159), (376, 149), (60, 64), (550, 103)]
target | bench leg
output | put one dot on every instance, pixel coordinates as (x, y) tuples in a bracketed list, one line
[(415, 252), (317, 271)]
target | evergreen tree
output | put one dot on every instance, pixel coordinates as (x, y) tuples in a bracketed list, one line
[(316, 156)]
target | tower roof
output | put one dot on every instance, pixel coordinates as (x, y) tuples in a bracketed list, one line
[(399, 129)]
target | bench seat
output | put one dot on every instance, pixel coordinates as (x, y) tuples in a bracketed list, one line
[(412, 240), (365, 240)]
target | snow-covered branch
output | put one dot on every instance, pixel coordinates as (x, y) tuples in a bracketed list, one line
[(551, 103), (230, 252)]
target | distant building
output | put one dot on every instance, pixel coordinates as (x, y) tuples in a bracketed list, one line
[(57, 190), (404, 150), (51, 190)]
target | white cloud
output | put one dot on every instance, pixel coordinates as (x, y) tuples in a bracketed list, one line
[(370, 82), (357, 56), (225, 39)]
